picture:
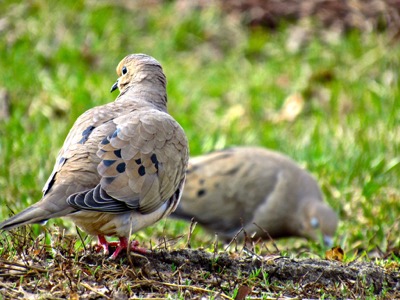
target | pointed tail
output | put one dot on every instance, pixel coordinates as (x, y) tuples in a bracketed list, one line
[(31, 215), (49, 207)]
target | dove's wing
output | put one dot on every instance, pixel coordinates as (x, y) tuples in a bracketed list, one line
[(142, 164), (75, 169), (79, 135)]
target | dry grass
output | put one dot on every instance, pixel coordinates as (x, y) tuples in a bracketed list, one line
[(53, 267)]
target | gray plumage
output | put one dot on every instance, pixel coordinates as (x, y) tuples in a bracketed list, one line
[(237, 187), (122, 166)]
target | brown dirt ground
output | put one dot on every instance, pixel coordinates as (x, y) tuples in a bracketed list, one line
[(32, 270)]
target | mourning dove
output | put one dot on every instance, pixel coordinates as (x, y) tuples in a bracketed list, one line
[(262, 191), (122, 166)]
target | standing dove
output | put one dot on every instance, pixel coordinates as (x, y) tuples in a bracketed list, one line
[(122, 166), (259, 190)]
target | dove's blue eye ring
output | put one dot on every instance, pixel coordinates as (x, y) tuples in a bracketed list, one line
[(124, 70), (314, 223)]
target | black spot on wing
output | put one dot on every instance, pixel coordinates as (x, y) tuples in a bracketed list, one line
[(85, 134), (108, 162), (154, 160), (201, 192), (118, 153), (142, 171), (138, 161), (121, 167), (105, 141)]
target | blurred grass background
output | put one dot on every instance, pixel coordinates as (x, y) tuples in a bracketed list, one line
[(227, 85)]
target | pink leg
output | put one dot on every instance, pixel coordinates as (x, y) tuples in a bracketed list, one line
[(123, 244), (102, 244)]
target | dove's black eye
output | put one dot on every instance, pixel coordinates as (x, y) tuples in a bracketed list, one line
[(124, 70)]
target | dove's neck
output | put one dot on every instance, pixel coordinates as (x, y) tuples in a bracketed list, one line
[(145, 95)]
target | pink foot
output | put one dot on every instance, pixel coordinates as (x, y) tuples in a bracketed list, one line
[(123, 244), (104, 245), (135, 248)]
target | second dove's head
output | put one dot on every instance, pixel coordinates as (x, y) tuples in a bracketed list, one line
[(141, 69), (320, 219)]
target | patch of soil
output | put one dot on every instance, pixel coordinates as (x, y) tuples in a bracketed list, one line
[(191, 274)]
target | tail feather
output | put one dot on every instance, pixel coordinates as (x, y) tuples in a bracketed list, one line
[(31, 215), (52, 206)]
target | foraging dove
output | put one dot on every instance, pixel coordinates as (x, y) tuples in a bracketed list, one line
[(243, 186), (122, 166)]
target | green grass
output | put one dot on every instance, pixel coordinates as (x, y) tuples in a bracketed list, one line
[(58, 59)]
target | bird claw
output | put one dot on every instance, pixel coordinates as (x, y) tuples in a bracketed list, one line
[(135, 248), (104, 245), (103, 248)]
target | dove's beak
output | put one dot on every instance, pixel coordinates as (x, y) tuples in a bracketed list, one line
[(114, 87)]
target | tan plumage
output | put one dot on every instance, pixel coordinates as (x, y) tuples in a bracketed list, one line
[(122, 166), (237, 187)]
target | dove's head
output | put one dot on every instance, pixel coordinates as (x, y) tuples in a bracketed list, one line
[(319, 219), (141, 69)]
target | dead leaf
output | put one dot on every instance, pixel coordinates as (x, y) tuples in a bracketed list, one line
[(336, 253), (74, 296), (243, 291)]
